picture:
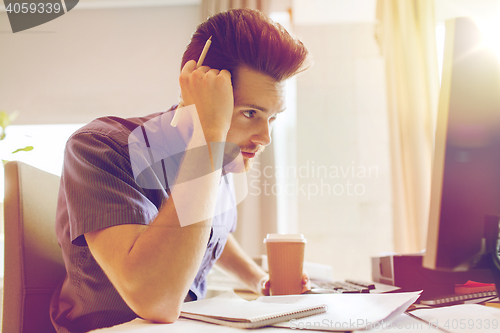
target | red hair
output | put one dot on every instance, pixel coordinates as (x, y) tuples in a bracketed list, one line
[(245, 37)]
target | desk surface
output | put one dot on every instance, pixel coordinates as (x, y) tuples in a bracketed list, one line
[(458, 318), (404, 323), (341, 308)]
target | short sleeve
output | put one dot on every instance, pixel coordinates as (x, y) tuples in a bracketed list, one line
[(99, 187)]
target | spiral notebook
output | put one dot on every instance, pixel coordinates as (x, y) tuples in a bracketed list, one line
[(229, 309)]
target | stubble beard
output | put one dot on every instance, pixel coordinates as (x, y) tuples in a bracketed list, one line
[(248, 162)]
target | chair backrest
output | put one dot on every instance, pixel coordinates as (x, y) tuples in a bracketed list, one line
[(33, 259)]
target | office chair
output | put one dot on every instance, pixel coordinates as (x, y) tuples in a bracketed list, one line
[(33, 259)]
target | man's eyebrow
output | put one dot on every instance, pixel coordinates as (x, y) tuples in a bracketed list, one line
[(260, 108)]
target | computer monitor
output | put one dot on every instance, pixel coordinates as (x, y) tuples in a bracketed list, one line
[(465, 189)]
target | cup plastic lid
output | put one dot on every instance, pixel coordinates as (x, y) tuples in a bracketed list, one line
[(299, 238)]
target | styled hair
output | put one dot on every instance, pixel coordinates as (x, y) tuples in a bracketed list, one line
[(245, 37)]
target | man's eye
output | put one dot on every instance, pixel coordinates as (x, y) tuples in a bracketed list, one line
[(274, 117), (249, 114)]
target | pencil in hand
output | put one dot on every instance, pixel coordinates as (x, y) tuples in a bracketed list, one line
[(204, 52), (176, 116)]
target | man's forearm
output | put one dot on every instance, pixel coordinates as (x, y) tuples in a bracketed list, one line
[(152, 266), (236, 261), (172, 247)]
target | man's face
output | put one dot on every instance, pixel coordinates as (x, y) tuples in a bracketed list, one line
[(257, 101)]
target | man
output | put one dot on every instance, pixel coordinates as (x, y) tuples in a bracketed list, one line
[(127, 251)]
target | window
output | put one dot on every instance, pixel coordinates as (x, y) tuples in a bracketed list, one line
[(48, 142)]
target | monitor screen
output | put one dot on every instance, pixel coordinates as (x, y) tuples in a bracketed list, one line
[(465, 185)]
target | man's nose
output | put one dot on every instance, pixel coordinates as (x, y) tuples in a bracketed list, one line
[(263, 134)]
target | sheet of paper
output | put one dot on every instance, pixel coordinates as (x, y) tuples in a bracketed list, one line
[(341, 309), (347, 312), (404, 323), (463, 318), (230, 305)]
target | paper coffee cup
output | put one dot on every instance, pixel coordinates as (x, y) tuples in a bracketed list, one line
[(285, 256)]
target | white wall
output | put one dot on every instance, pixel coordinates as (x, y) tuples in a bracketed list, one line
[(320, 12), (342, 124), (486, 10), (119, 61)]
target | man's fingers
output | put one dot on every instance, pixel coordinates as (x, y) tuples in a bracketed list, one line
[(186, 71), (306, 282), (225, 72), (266, 288), (189, 67), (215, 71), (203, 69)]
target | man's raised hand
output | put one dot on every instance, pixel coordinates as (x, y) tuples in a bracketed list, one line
[(212, 93)]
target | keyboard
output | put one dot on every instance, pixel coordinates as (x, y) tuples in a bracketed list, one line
[(356, 286), (341, 287)]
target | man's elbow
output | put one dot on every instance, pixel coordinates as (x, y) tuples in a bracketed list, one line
[(149, 300), (167, 317), (158, 312)]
